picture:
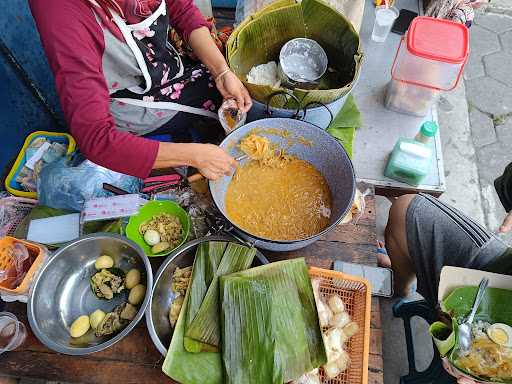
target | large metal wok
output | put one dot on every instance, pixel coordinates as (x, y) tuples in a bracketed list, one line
[(326, 154)]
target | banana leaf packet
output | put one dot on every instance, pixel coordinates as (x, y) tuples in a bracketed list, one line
[(495, 308)]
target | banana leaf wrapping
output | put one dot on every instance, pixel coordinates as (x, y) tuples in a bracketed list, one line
[(188, 367), (259, 38), (196, 361), (206, 262), (205, 327), (495, 308), (270, 329)]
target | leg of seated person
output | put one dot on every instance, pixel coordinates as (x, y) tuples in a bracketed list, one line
[(424, 234), (396, 245)]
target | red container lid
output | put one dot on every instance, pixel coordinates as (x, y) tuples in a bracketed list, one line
[(438, 39)]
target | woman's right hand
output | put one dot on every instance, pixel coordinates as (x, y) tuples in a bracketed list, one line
[(212, 161)]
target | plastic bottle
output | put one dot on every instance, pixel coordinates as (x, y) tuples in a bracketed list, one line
[(411, 159), (427, 131)]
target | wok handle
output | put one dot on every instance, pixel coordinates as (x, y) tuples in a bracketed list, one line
[(115, 190), (272, 95), (195, 177), (322, 105)]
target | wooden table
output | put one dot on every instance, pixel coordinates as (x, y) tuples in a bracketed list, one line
[(135, 360)]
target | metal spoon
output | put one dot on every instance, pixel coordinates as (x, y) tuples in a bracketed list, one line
[(464, 335)]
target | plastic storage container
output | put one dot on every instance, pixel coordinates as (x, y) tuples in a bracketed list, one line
[(11, 184), (430, 59), (37, 254), (12, 332)]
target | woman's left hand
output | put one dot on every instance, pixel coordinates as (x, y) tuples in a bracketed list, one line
[(230, 87)]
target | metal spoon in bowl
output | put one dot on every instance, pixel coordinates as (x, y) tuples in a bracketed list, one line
[(464, 335)]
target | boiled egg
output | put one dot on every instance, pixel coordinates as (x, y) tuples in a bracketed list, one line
[(501, 334), (151, 237)]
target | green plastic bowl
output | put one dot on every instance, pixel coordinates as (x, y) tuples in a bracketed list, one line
[(146, 213)]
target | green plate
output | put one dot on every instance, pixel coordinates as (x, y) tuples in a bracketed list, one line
[(146, 213)]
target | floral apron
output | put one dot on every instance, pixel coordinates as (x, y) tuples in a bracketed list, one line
[(167, 83)]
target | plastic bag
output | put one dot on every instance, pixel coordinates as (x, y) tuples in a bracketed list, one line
[(351, 9), (12, 211), (16, 277), (13, 275), (69, 183), (245, 8), (358, 207), (39, 153)]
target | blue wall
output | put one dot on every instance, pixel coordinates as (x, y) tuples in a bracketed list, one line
[(21, 112)]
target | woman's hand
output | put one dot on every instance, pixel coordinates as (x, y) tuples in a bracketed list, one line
[(227, 83), (230, 87), (212, 161)]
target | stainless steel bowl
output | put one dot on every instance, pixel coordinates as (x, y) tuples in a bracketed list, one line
[(157, 312), (61, 292), (302, 63)]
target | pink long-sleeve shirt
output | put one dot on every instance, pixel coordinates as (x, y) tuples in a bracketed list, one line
[(74, 44)]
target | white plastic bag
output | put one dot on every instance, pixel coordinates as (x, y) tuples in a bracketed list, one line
[(351, 9)]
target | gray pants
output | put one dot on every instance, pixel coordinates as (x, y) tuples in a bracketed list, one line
[(439, 235)]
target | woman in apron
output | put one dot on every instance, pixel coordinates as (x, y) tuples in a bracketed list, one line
[(119, 79)]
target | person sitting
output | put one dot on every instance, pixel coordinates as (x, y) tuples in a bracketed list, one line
[(423, 234), (119, 77)]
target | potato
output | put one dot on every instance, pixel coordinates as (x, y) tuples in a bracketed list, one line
[(80, 326), (351, 329), (336, 304), (160, 247), (104, 262), (137, 294), (96, 317), (132, 278)]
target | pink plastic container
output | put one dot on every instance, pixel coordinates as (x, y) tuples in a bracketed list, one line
[(430, 59)]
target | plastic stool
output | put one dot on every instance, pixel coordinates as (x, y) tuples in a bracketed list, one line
[(435, 373)]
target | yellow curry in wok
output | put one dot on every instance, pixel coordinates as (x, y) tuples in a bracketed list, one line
[(277, 196)]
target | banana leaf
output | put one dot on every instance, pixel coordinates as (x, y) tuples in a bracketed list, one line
[(495, 308), (270, 329), (205, 327), (207, 259), (259, 39), (186, 367), (345, 123)]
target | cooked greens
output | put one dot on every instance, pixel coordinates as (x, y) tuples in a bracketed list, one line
[(107, 283)]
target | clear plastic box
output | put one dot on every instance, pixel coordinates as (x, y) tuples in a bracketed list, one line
[(430, 59), (409, 98)]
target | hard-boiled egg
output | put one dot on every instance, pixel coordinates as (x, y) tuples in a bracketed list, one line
[(501, 334), (151, 237)]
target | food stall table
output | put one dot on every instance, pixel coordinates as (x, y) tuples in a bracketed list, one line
[(381, 127), (135, 360)]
